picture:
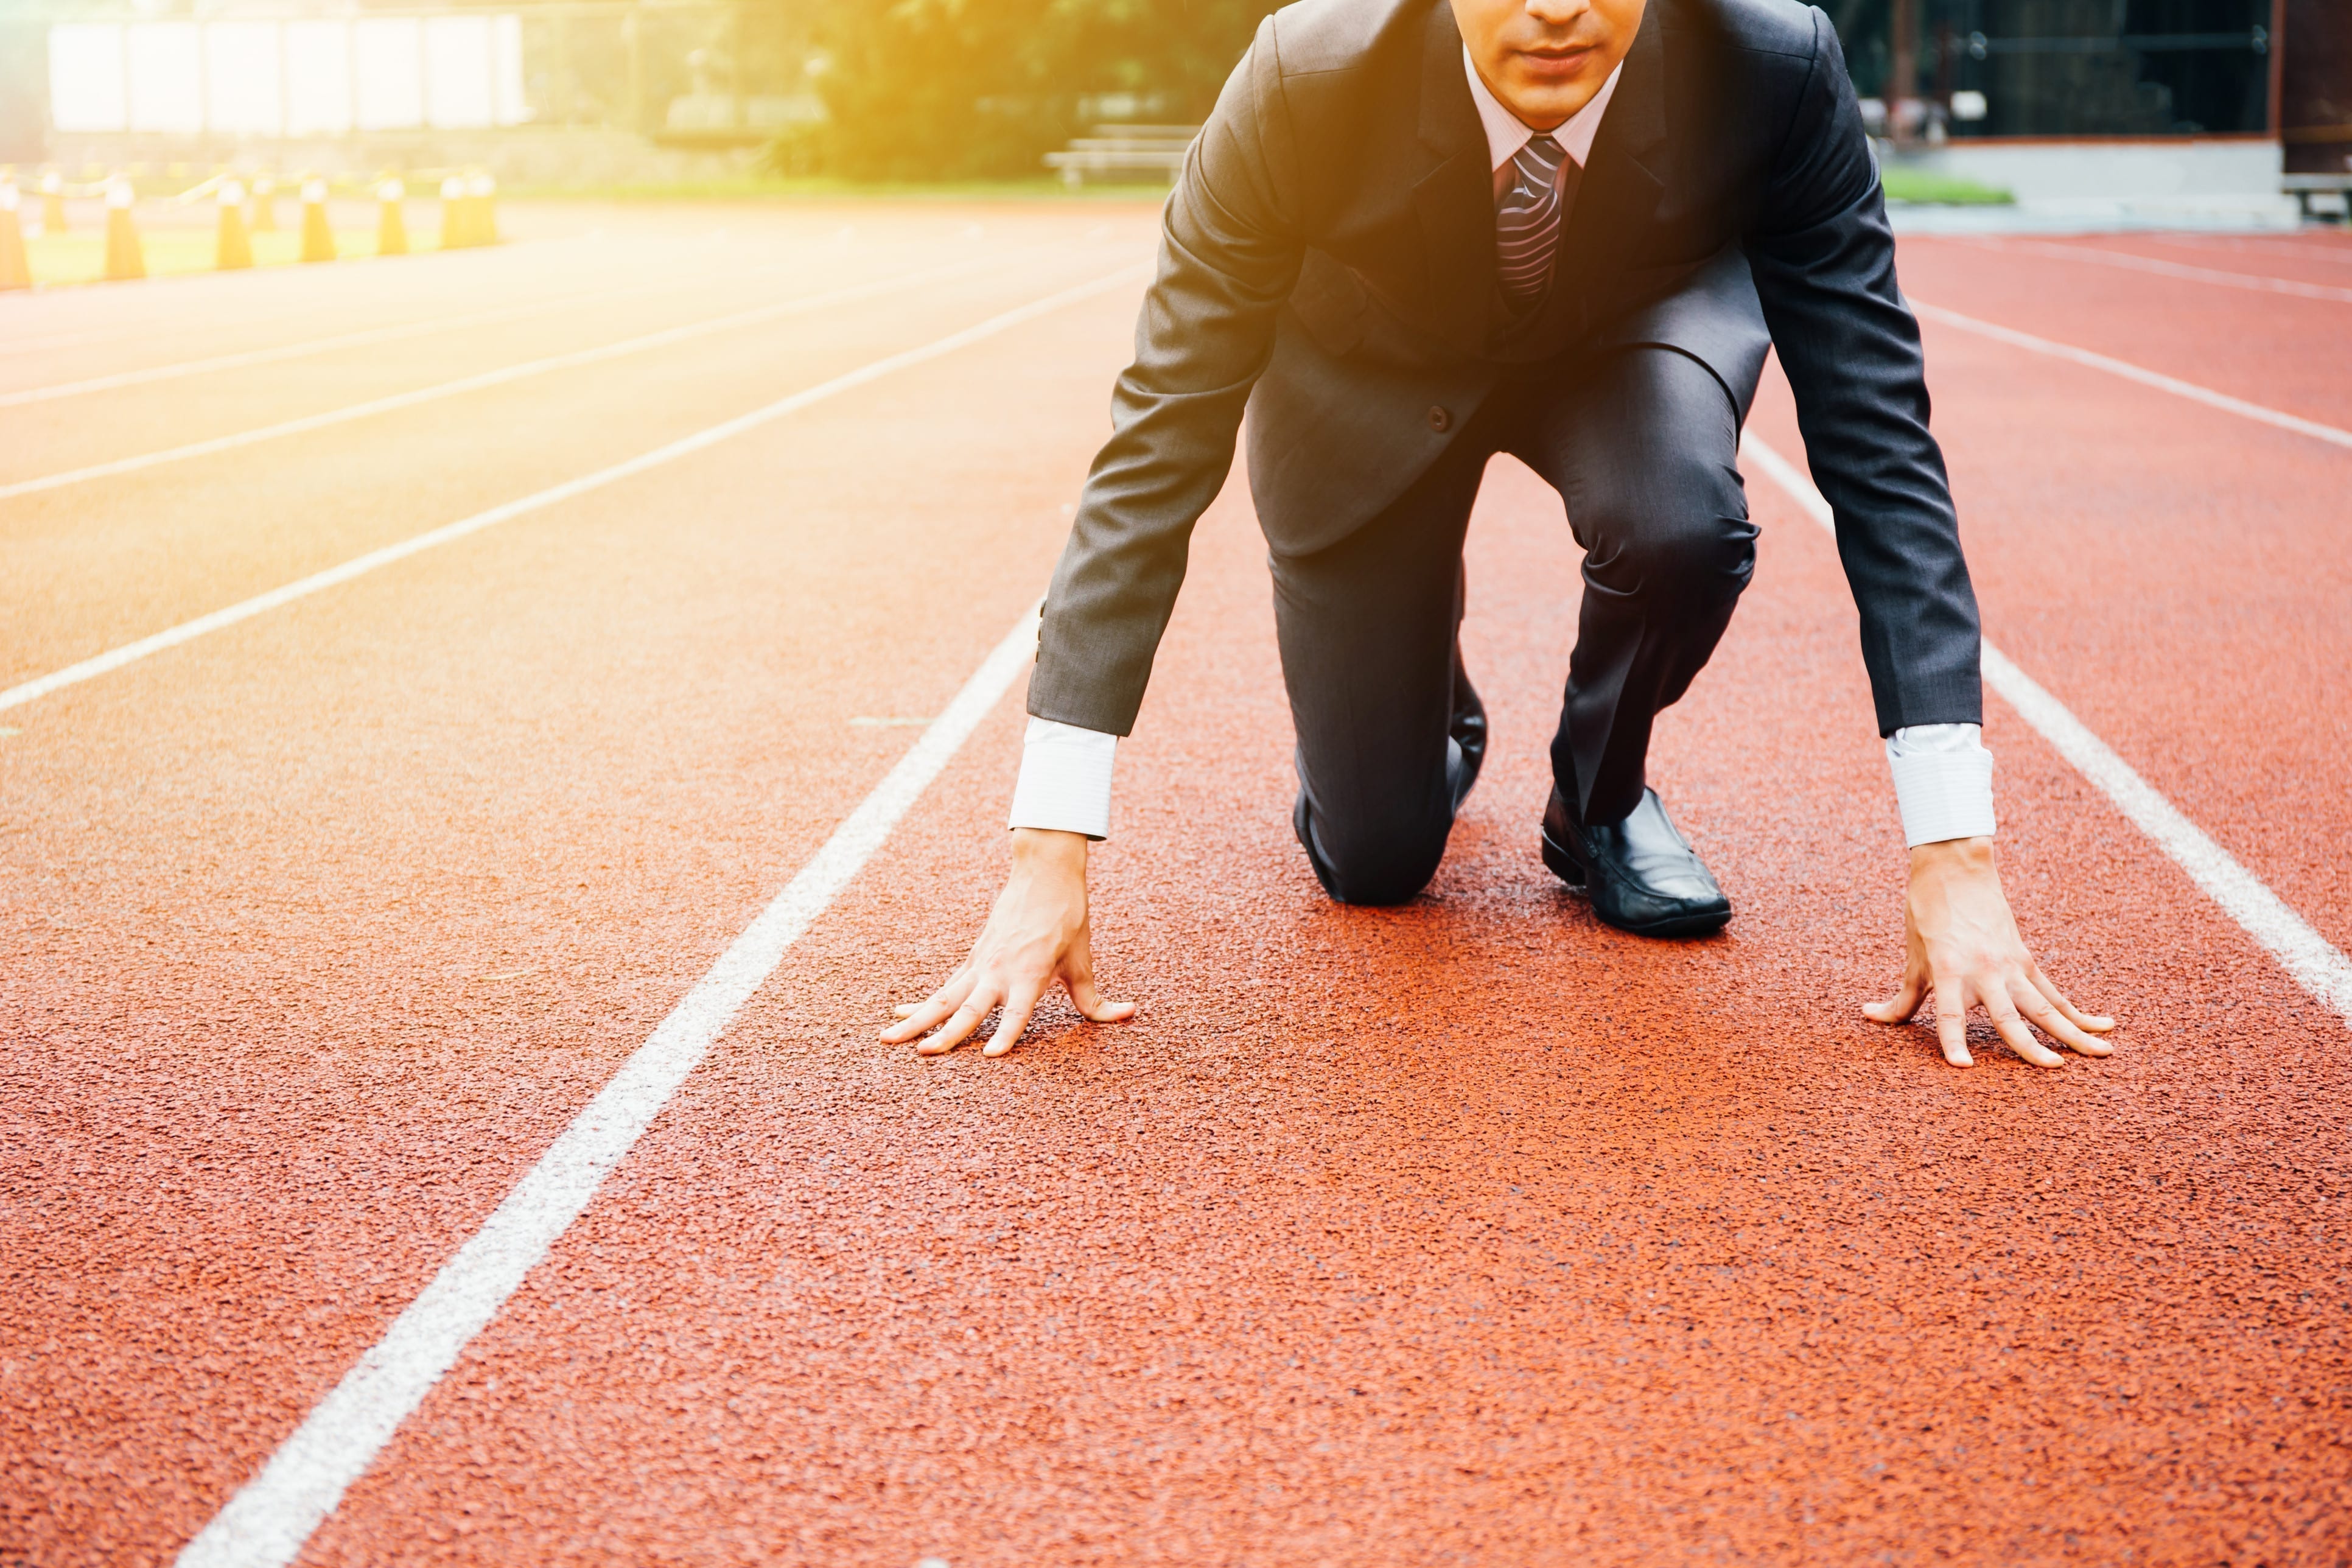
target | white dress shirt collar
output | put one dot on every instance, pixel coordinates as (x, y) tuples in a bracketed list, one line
[(1506, 133)]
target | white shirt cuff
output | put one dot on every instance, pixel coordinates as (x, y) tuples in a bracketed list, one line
[(1943, 782), (1064, 779)]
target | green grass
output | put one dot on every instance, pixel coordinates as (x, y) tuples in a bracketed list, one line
[(64, 259), (1902, 185), (1943, 190)]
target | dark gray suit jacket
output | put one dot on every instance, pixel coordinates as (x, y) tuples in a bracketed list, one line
[(1327, 263)]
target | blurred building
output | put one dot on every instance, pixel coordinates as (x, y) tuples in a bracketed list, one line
[(2188, 103), (2314, 76), (2064, 67), (2191, 101), (548, 89), (24, 91)]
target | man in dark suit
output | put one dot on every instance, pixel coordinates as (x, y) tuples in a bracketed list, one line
[(1414, 233)]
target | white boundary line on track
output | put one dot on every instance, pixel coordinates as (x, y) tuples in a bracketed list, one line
[(2308, 958), (2256, 282), (2305, 243), (2130, 372), (267, 1523), (499, 377), (359, 565), (303, 348)]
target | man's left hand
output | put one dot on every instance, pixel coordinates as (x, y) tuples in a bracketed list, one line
[(1961, 946)]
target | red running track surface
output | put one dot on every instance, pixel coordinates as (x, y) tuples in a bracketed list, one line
[(1465, 1231)]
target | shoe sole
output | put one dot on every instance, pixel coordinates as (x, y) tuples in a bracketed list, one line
[(1563, 865), (1570, 870)]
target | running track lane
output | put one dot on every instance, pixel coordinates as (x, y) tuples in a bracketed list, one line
[(61, 443), (1469, 1230), (106, 330), (1215, 750), (117, 329), (328, 927), (243, 429), (2270, 348), (2317, 257), (2172, 573), (542, 1545), (161, 547)]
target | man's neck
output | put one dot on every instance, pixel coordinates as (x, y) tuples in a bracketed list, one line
[(1506, 133)]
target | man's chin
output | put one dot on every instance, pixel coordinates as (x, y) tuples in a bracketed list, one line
[(1546, 105)]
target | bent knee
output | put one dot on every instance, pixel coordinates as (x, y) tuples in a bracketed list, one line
[(1378, 860), (1688, 541)]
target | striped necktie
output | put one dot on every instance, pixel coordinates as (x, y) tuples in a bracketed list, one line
[(1528, 222)]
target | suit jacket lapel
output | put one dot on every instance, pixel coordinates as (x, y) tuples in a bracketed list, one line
[(1454, 199), (1622, 183)]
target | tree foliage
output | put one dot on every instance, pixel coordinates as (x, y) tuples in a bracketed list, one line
[(938, 89)]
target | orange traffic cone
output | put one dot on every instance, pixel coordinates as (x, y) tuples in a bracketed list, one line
[(481, 194), (124, 258), (317, 235), (14, 271), (453, 213), (264, 204), (234, 250), (391, 228), (53, 203)]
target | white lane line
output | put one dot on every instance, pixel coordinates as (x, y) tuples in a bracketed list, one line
[(2130, 372), (359, 565), (499, 377), (279, 354), (2309, 958), (2302, 247), (2256, 282), (266, 1525)]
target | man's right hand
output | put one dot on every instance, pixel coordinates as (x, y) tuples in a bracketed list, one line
[(1035, 935)]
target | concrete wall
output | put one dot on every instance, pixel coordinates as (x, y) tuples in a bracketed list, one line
[(2110, 171), (2191, 182)]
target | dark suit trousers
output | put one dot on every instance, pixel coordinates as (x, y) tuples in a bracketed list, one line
[(1641, 444)]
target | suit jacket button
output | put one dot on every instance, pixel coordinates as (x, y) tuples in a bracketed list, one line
[(1440, 420)]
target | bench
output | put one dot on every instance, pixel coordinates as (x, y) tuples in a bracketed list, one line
[(1157, 150), (2303, 187)]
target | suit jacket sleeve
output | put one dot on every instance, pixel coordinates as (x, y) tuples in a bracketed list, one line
[(1823, 259), (1229, 256)]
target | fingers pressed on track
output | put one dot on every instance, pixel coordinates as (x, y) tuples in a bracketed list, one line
[(2013, 1029), (2038, 1011), (1019, 1004), (919, 1018), (962, 1022), (2090, 1023), (1952, 1023), (1903, 1006), (1089, 999)]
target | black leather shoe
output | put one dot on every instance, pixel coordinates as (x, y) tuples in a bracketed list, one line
[(1468, 730), (1641, 874)]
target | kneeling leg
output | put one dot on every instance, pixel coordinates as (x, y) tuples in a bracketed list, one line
[(1644, 451)]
